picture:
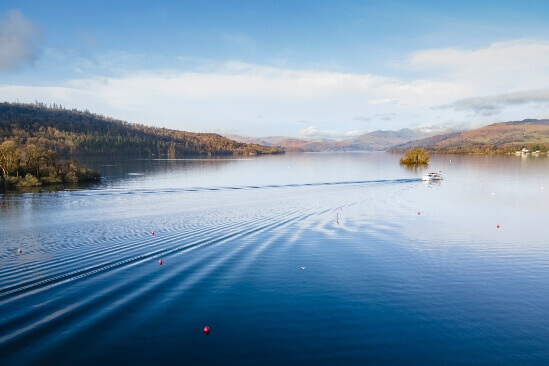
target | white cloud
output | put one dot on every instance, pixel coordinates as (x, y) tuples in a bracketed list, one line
[(492, 105), (314, 133), (232, 94), (498, 68), (378, 117), (384, 101), (18, 41), (241, 81)]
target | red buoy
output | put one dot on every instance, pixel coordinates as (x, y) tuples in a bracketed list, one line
[(418, 212), (160, 262), (206, 330), (498, 226), (152, 232)]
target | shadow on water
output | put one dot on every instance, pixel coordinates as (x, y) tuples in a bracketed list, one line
[(124, 169), (50, 188)]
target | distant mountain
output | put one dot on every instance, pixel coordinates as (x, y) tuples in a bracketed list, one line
[(503, 137), (72, 132), (372, 141)]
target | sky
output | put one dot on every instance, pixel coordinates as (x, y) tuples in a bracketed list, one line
[(308, 69)]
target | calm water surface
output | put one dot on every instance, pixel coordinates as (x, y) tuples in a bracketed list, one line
[(297, 259)]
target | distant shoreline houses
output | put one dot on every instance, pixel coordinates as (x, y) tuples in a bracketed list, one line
[(525, 151)]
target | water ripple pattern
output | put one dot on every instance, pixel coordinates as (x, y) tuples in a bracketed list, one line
[(373, 271)]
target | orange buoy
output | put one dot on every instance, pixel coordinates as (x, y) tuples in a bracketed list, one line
[(160, 262), (206, 330)]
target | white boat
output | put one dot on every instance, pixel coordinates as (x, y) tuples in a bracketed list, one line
[(432, 176)]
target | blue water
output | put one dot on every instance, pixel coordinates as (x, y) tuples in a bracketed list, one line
[(297, 259)]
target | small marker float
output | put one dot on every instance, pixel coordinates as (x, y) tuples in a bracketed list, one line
[(497, 226), (419, 212), (152, 233), (160, 262), (206, 330), (19, 251)]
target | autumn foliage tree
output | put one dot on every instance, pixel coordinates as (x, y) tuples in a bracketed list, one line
[(415, 156), (30, 165)]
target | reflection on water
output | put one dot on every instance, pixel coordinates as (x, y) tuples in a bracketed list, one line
[(311, 258), (416, 168)]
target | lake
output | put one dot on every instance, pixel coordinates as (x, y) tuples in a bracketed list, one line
[(344, 258)]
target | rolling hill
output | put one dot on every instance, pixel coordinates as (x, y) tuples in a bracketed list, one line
[(372, 141), (503, 137), (73, 133)]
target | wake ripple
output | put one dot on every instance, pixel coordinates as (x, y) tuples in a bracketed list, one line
[(91, 270), (148, 191)]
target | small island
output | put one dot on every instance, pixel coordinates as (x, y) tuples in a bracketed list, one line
[(415, 156), (23, 166)]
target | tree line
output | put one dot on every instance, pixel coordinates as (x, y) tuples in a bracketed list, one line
[(73, 133), (479, 148), (31, 165)]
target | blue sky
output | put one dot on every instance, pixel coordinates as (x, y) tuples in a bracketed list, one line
[(310, 69)]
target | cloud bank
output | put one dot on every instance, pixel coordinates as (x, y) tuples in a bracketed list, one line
[(314, 133), (442, 87), (19, 41), (492, 105)]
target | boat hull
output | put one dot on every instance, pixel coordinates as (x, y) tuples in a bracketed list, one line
[(432, 176)]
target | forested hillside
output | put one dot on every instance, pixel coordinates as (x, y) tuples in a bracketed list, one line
[(73, 133), (498, 138)]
